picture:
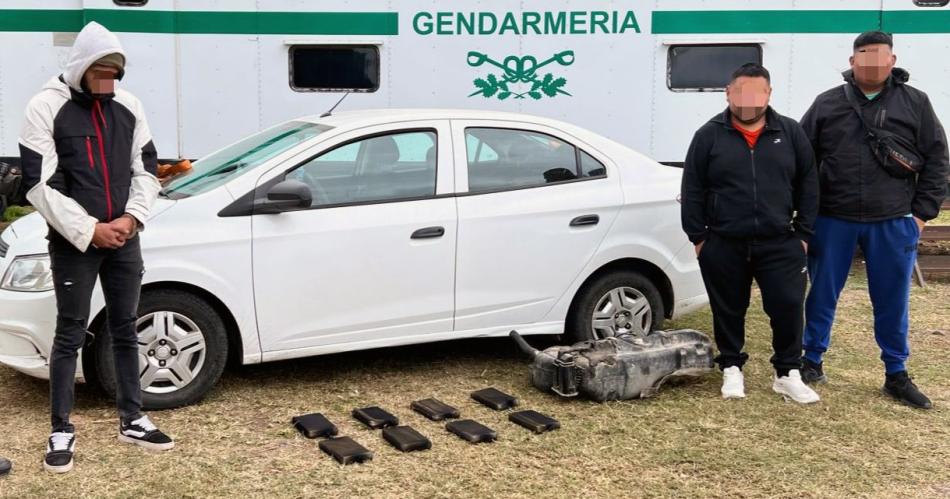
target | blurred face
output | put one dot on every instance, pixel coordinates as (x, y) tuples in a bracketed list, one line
[(872, 64), (100, 79), (748, 98)]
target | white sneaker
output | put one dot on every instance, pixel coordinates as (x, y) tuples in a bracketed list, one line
[(792, 387), (733, 383)]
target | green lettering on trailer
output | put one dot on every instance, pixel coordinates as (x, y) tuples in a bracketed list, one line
[(483, 28), (509, 24), (444, 22), (531, 21), (554, 23), (630, 22), (466, 23), (599, 18), (578, 23), (422, 23), (524, 23)]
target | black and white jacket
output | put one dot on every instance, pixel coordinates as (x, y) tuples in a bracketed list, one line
[(87, 159)]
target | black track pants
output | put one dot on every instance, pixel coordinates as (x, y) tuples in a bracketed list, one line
[(779, 267)]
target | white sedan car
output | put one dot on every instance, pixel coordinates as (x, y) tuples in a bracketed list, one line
[(372, 229)]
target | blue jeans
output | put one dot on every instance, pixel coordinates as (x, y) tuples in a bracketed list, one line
[(890, 249)]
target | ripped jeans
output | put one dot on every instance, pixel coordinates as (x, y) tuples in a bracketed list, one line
[(74, 278)]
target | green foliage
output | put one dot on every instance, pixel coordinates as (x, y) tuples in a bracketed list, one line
[(14, 212)]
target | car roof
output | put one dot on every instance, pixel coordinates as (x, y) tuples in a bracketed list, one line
[(354, 119), (369, 117)]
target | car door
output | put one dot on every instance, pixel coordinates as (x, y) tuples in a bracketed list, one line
[(536, 205), (373, 258)]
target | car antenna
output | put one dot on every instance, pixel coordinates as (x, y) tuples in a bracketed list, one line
[(328, 113)]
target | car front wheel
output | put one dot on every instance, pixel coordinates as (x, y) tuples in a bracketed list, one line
[(183, 349)]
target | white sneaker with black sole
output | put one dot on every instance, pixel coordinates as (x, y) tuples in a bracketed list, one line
[(59, 452), (142, 432), (793, 388)]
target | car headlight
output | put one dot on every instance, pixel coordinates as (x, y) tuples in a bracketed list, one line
[(29, 273)]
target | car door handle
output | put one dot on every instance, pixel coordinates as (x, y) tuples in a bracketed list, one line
[(585, 220), (429, 233)]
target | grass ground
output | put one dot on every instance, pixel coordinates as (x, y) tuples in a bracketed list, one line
[(12, 213), (685, 442)]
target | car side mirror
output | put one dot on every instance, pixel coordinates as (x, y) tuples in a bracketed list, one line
[(287, 195)]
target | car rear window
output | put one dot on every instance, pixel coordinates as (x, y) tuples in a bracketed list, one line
[(504, 159)]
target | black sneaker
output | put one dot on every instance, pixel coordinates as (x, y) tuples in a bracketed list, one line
[(813, 374), (59, 452), (143, 432), (900, 387)]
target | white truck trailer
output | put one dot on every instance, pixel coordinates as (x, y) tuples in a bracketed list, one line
[(644, 73)]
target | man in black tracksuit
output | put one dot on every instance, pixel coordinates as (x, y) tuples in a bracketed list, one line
[(750, 196)]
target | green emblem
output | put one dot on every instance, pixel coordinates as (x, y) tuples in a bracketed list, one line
[(518, 73)]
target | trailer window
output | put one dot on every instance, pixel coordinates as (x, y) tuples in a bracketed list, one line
[(130, 3), (334, 68), (931, 3), (707, 68)]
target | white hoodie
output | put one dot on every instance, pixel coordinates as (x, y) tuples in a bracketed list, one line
[(93, 43)]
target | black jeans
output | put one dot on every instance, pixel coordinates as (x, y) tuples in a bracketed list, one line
[(779, 267), (74, 277)]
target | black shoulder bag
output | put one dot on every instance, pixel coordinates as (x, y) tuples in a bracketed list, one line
[(896, 155)]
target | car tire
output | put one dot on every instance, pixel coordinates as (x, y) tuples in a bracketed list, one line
[(591, 298), (190, 316)]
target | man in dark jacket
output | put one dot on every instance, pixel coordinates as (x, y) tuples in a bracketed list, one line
[(749, 199), (863, 204), (89, 169)]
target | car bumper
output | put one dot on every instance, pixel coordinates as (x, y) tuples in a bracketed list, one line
[(27, 327)]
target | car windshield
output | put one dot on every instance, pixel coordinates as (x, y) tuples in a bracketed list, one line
[(221, 166)]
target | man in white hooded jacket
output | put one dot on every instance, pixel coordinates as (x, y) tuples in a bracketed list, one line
[(89, 169)]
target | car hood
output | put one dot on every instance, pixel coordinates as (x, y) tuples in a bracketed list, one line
[(29, 232)]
